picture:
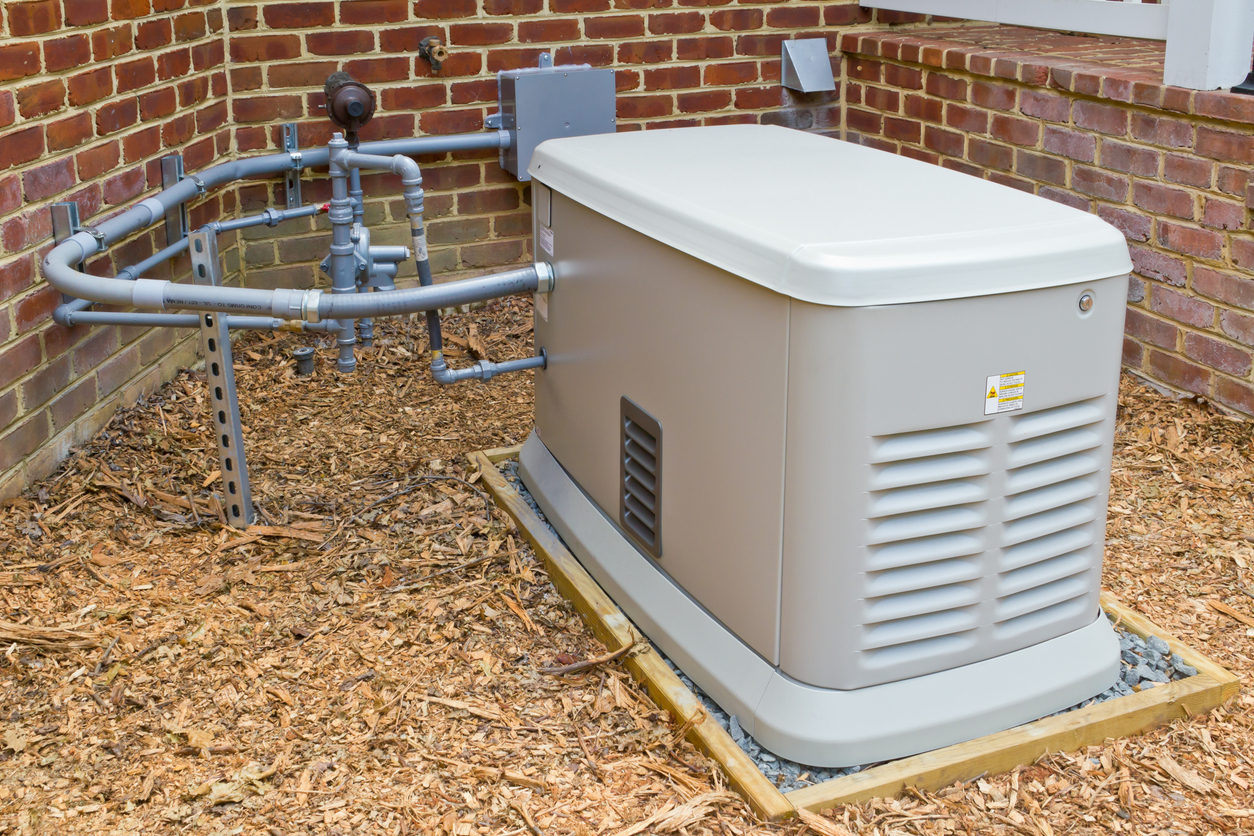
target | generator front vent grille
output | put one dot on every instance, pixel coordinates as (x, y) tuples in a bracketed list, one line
[(1049, 547), (929, 504), (640, 476)]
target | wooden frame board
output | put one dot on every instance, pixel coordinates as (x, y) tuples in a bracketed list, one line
[(992, 754)]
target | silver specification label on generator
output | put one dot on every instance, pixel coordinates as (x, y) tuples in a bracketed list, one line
[(1003, 392)]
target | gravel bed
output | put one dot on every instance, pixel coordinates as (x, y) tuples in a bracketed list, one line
[(1146, 663)]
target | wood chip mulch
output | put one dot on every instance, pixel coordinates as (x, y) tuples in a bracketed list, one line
[(368, 658)]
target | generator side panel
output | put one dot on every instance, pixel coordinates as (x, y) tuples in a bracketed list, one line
[(704, 355), (948, 471)]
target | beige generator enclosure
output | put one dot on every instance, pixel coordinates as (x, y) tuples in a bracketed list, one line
[(833, 427)]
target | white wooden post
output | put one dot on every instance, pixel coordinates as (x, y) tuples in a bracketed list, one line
[(1208, 43)]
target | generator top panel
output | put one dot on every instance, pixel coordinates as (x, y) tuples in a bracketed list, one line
[(870, 228)]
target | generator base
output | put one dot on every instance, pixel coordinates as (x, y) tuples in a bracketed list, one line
[(817, 726)]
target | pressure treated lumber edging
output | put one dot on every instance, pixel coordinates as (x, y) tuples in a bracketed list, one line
[(995, 753)]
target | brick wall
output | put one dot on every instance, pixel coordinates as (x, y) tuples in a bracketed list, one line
[(94, 92), (1168, 167)]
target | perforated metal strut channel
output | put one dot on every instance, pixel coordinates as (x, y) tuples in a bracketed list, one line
[(237, 502)]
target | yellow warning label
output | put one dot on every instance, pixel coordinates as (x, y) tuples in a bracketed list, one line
[(1005, 392)]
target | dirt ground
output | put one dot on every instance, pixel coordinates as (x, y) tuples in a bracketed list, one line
[(368, 658)]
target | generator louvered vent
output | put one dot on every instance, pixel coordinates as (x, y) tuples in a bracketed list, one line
[(640, 476)]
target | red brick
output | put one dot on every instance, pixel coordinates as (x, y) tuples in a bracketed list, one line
[(1179, 372), (42, 98), (33, 18), (1237, 395), (906, 78), (153, 34), (478, 34), (487, 201), (374, 11), (1123, 157), (64, 53), (16, 276), (1014, 130), (1220, 104), (86, 12), (946, 87), (882, 98), (736, 20), (643, 107), (1159, 130), (677, 23), (792, 16), (1163, 200), (10, 197), (704, 48), (20, 442), (865, 122), (704, 101), (951, 143), (988, 154), (212, 54), (1045, 106), (1242, 252), (1188, 170), (1190, 240), (1225, 145), (265, 48), (1041, 167), (416, 97), (1226, 287), (1066, 198), (35, 308), (1099, 183), (18, 60), (21, 146), (768, 45), (992, 95), (549, 30), (672, 78), (1149, 329), (94, 162), (968, 119), (69, 132), (122, 187), (739, 73), (135, 74), (1238, 326), (1217, 354), (447, 9), (1155, 265), (189, 27), (451, 121), (1132, 224), (905, 130), (1221, 214), (1106, 119), (129, 9), (114, 117), (110, 43), (344, 42)]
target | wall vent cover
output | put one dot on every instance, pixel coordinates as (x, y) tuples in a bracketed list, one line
[(640, 476)]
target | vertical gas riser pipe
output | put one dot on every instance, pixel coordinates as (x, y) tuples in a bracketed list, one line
[(343, 264)]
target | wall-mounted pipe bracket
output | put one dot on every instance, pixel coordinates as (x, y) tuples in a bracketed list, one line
[(292, 178), (237, 503), (176, 224)]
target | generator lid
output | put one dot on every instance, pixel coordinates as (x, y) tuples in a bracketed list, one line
[(827, 221)]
